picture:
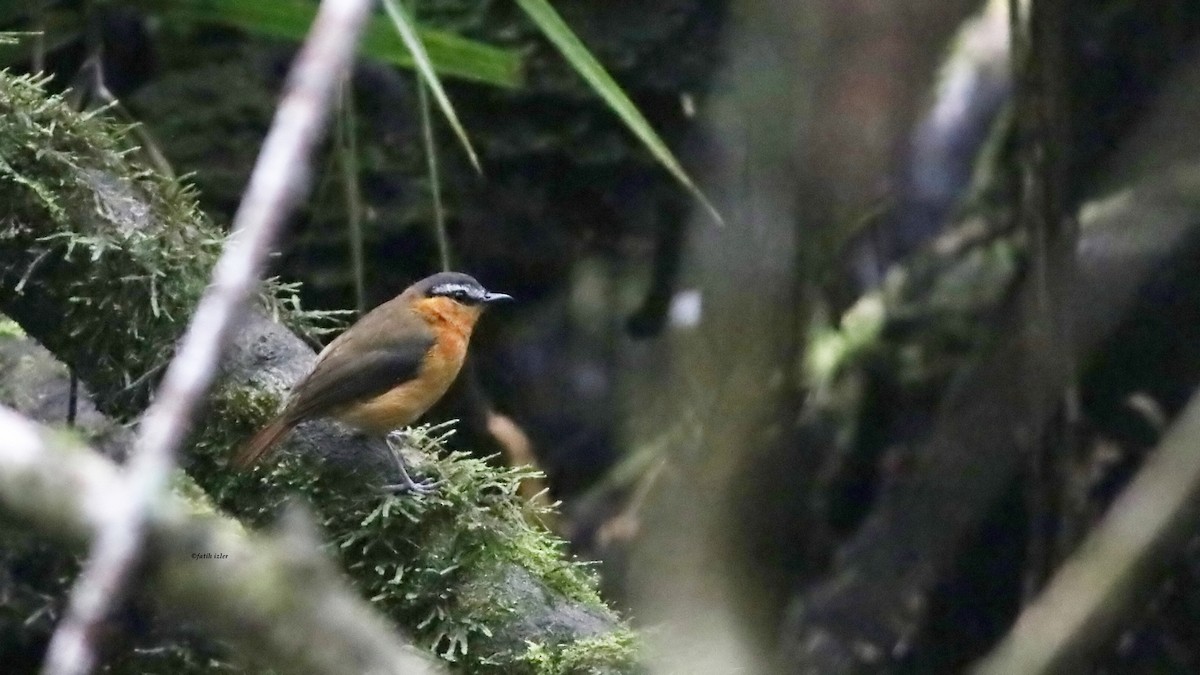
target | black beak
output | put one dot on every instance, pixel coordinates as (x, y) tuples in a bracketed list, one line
[(492, 298)]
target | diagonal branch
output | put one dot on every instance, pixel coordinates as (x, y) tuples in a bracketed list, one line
[(1083, 606), (279, 179)]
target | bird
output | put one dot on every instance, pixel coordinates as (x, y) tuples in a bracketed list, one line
[(387, 369)]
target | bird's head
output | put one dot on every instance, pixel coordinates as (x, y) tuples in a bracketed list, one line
[(461, 288), (456, 293)]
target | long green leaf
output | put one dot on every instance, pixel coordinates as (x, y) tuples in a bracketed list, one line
[(557, 31), (450, 54), (407, 28)]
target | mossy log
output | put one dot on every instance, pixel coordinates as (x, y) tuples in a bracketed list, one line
[(102, 262), (205, 566)]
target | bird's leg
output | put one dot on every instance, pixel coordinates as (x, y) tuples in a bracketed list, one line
[(406, 484)]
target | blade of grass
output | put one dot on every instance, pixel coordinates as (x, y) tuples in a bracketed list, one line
[(561, 35), (435, 188), (407, 28), (347, 150), (452, 55)]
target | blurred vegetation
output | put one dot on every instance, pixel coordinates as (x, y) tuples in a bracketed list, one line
[(784, 375)]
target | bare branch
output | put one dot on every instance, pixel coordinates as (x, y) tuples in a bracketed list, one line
[(274, 597), (279, 179)]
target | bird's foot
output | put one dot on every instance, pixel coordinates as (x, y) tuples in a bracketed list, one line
[(423, 487), (426, 486)]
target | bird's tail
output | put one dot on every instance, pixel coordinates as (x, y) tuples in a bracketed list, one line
[(259, 444)]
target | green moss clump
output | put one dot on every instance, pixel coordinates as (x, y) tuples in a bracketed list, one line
[(101, 260), (589, 655), (72, 196), (448, 566)]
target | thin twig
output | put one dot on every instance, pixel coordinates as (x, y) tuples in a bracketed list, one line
[(279, 179), (37, 14), (148, 144), (73, 399), (435, 188), (93, 87), (347, 151)]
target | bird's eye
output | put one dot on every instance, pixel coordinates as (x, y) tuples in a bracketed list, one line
[(459, 294)]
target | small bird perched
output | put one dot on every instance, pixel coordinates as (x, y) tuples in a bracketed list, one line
[(388, 368)]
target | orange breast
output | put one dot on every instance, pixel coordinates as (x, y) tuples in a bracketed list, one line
[(404, 404)]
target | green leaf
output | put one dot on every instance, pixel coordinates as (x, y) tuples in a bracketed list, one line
[(408, 33), (450, 54), (557, 31)]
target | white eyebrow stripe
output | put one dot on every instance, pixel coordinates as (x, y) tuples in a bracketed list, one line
[(450, 287)]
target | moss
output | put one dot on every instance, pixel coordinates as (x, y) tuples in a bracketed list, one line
[(74, 199), (440, 564), (589, 655), (9, 328), (68, 173), (177, 659)]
